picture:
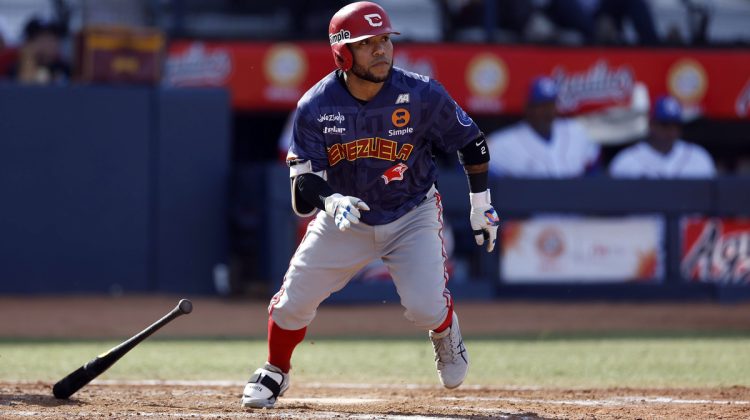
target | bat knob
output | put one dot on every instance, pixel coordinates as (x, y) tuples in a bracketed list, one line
[(185, 306)]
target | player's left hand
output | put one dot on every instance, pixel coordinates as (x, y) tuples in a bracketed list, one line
[(484, 220)]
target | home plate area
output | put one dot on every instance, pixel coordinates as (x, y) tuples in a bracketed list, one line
[(220, 400)]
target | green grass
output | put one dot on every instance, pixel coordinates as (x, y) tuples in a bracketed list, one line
[(680, 361)]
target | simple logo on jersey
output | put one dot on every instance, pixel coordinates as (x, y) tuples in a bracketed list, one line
[(400, 117), (376, 148), (394, 173), (337, 117), (374, 20), (462, 117), (339, 36), (403, 98)]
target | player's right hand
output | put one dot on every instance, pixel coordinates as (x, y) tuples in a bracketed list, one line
[(344, 210)]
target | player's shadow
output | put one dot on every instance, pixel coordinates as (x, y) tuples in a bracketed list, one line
[(42, 400), (495, 416), (416, 413)]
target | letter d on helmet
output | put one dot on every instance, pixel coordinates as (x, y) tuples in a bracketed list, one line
[(353, 23)]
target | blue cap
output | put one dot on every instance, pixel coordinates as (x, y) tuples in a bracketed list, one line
[(667, 109), (543, 89)]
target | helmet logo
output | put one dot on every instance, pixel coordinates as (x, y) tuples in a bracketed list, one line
[(374, 20), (339, 36)]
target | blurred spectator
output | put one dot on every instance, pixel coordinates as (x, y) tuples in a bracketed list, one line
[(663, 154), (602, 21), (310, 17), (543, 145), (8, 55), (40, 58), (4, 33), (134, 13), (465, 19), (285, 138), (595, 21)]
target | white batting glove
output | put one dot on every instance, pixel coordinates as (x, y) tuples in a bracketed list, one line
[(484, 220), (344, 210)]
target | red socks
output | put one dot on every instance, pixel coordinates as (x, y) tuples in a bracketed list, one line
[(448, 320), (281, 344)]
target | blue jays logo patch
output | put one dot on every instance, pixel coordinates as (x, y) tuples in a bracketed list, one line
[(394, 173)]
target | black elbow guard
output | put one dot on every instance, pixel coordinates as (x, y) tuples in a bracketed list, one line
[(309, 191), (475, 153)]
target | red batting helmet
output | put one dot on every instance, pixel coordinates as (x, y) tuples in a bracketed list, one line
[(353, 23)]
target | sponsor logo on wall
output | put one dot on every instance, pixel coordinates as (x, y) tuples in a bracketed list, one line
[(198, 66), (716, 250)]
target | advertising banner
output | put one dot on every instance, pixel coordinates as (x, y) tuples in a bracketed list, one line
[(715, 250), (484, 79), (551, 249)]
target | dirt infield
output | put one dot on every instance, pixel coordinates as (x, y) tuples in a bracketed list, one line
[(110, 317), (310, 401)]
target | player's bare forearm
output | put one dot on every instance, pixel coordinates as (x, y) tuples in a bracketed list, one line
[(477, 169)]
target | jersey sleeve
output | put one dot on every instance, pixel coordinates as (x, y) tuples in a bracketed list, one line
[(591, 148), (500, 151), (451, 128), (624, 165), (307, 152), (704, 164)]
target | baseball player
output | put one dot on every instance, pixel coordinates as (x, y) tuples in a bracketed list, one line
[(362, 153), (542, 145), (663, 154)]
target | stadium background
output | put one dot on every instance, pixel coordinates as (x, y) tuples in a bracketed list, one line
[(156, 171), (164, 150)]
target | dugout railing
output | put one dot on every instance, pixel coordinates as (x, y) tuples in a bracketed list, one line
[(602, 196)]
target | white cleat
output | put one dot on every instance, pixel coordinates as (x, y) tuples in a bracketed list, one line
[(264, 387), (451, 357)]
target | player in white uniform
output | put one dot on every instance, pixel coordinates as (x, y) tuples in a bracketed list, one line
[(362, 152), (542, 145), (663, 154)]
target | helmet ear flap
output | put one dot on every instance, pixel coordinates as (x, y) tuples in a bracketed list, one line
[(343, 57)]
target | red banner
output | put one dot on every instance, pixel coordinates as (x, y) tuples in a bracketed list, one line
[(716, 250), (484, 79)]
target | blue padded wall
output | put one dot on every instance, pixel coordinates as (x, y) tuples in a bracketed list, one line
[(193, 156), (73, 189)]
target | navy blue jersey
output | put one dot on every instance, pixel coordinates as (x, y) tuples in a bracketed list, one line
[(380, 151)]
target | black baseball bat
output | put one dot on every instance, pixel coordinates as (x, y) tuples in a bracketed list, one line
[(77, 379)]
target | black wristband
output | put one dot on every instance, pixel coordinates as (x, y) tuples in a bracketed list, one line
[(313, 189), (477, 182)]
